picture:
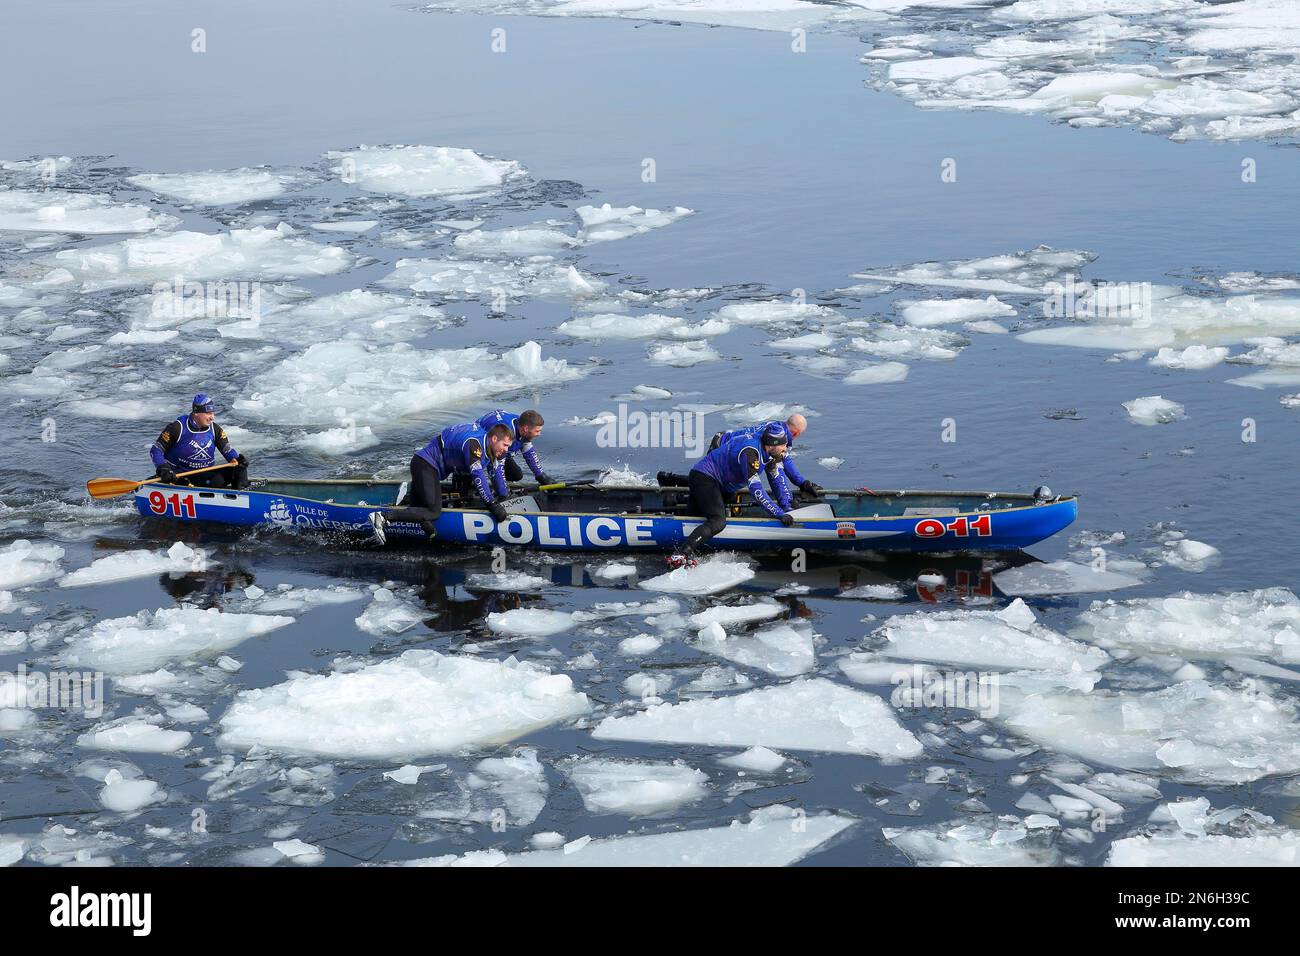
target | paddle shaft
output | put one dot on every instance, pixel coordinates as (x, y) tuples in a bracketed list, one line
[(115, 487)]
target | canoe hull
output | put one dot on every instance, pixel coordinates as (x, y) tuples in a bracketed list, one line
[(1007, 529)]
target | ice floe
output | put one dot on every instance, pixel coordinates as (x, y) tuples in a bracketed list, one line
[(135, 735), (910, 342), (1005, 843), (375, 385), (125, 565), (785, 650), (530, 622), (1193, 357), (1154, 410), (498, 790), (507, 581), (513, 243), (129, 796), (1261, 624), (56, 210), (453, 279), (713, 575), (1192, 731), (881, 374), (222, 187), (755, 760), (635, 788), (1061, 577), (808, 714), (683, 354), (774, 312), (257, 253), (24, 563), (930, 312), (616, 326), (770, 838), (402, 708), (735, 614), (1009, 639), (145, 641), (388, 614), (423, 171), (605, 222)]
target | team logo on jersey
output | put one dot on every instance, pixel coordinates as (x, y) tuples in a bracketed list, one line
[(199, 451)]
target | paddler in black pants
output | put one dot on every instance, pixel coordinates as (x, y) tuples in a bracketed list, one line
[(458, 450), (736, 464)]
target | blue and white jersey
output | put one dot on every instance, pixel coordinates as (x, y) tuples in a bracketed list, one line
[(738, 464), (463, 449), (785, 465), (511, 421), (187, 448)]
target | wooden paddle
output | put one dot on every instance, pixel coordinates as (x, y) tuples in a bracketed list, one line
[(101, 488)]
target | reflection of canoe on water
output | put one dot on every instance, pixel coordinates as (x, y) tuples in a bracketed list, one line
[(588, 518)]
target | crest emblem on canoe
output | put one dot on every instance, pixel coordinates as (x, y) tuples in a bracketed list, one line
[(278, 512)]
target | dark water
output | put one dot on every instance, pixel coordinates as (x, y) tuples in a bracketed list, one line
[(799, 177)]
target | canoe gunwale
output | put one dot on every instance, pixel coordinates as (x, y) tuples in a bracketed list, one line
[(258, 485)]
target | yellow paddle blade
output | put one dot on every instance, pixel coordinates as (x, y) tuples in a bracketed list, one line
[(111, 487)]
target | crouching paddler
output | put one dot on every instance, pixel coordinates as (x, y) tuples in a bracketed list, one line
[(785, 473), (526, 428), (193, 441), (457, 450), (736, 464)]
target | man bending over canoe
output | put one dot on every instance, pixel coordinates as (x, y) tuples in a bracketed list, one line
[(193, 441), (785, 473), (525, 428), (458, 450), (736, 464)]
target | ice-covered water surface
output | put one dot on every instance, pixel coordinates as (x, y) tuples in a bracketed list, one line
[(1180, 68)]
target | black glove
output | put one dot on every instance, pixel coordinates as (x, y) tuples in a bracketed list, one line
[(787, 519), (241, 461), (167, 474), (546, 479), (497, 510), (810, 489)]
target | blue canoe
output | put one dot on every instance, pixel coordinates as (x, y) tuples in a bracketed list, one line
[(591, 518)]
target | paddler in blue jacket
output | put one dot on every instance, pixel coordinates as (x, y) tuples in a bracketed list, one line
[(785, 473), (736, 464), (457, 450), (194, 441), (526, 428)]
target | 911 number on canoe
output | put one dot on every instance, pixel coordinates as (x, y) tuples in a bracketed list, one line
[(181, 507), (962, 526)]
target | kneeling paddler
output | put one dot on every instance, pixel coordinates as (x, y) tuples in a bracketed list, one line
[(736, 464)]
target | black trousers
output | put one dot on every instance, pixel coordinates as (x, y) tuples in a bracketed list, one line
[(513, 471), (706, 500), (236, 477), (424, 498)]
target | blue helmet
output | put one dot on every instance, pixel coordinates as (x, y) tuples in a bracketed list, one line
[(202, 404)]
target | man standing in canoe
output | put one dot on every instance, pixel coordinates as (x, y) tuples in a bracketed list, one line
[(784, 473), (525, 427), (458, 450), (193, 441), (736, 464)]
